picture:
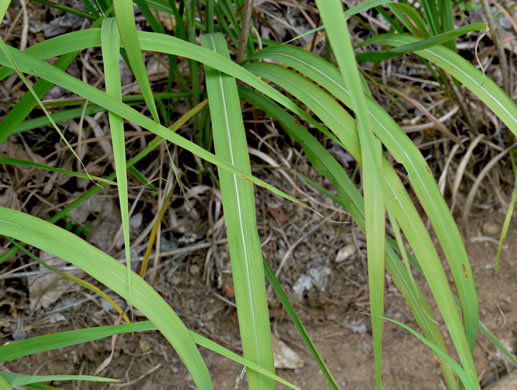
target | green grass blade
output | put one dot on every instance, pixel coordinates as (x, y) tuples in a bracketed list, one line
[(351, 200), (126, 24), (3, 9), (70, 338), (462, 374), (462, 70), (92, 94), (42, 121), (284, 299), (409, 21), (31, 164), (331, 12), (508, 217), (342, 124), (84, 39), (365, 6), (240, 217), (5, 49), (73, 113), (420, 45), (431, 15), (110, 41), (405, 152), (51, 342), (150, 147), (108, 271), (15, 379), (4, 385), (16, 116), (154, 42), (492, 337), (447, 18)]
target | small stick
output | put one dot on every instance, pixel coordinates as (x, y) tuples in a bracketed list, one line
[(245, 30), (497, 42)]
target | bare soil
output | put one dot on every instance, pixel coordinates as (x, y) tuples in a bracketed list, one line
[(332, 316)]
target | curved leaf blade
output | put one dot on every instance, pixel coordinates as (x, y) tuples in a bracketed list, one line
[(108, 271), (240, 217)]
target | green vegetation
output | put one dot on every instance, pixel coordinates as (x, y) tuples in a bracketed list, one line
[(286, 82)]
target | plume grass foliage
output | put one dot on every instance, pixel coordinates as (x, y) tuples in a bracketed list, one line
[(297, 89)]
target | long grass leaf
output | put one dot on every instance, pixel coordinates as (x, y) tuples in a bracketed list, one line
[(463, 375), (419, 45), (108, 271), (351, 200), (16, 116), (31, 164), (110, 43), (63, 79), (27, 103), (405, 152), (127, 26), (462, 70), (91, 109), (153, 42), (3, 9), (69, 338), (150, 147), (291, 312), (15, 379), (240, 217), (508, 217), (342, 124), (5, 49), (331, 12)]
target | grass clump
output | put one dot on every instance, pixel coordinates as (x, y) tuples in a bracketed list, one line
[(216, 63)]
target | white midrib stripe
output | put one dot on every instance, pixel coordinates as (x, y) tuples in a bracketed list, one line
[(243, 237)]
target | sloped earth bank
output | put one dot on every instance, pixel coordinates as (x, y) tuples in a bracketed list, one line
[(328, 295)]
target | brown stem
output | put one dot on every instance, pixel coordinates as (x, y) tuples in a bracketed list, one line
[(245, 30), (497, 42)]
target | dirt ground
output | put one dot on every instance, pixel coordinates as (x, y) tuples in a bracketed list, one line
[(332, 316), (323, 269)]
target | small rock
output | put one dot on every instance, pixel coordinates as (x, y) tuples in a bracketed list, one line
[(358, 327), (284, 356), (319, 277), (194, 269), (56, 317), (304, 283), (490, 228), (316, 276), (19, 335), (345, 253), (62, 24), (136, 221)]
